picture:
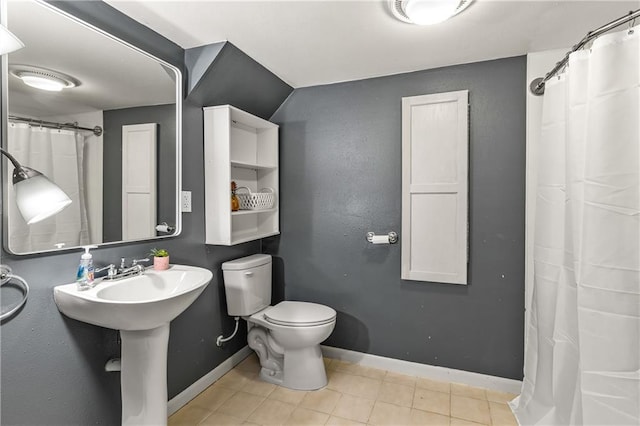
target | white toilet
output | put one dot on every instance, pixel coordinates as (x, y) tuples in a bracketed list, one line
[(286, 336)]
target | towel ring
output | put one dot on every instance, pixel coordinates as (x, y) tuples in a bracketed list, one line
[(5, 277)]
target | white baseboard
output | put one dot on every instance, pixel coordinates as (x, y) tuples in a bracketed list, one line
[(180, 400), (423, 370)]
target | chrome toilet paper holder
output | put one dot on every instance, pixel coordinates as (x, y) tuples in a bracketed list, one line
[(165, 227), (392, 236)]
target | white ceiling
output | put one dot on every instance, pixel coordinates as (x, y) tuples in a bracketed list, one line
[(309, 43), (112, 75)]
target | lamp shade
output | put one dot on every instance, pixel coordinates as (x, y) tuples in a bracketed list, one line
[(38, 198), (8, 41)]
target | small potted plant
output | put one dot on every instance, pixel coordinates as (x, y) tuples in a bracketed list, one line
[(160, 259)]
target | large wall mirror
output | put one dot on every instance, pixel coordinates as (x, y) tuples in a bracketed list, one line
[(123, 178)]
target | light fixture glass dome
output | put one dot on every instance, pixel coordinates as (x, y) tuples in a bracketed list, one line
[(426, 12), (42, 78), (43, 82), (429, 12)]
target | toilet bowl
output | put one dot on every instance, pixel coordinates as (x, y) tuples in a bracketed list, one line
[(294, 331), (287, 336)]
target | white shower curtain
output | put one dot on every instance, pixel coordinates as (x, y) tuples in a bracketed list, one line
[(58, 154), (582, 355)]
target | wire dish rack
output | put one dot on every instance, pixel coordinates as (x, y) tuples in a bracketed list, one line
[(261, 200)]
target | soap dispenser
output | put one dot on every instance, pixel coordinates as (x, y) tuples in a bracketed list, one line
[(84, 277)]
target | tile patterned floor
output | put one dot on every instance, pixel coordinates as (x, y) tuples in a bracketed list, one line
[(355, 395)]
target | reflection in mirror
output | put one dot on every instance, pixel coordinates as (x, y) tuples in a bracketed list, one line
[(101, 119)]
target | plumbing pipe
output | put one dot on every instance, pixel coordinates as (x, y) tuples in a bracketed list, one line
[(221, 339)]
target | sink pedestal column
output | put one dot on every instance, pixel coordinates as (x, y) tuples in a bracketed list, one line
[(144, 376)]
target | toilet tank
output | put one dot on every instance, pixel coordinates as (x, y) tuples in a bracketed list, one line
[(247, 284)]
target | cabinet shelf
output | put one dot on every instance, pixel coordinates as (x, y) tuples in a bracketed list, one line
[(244, 212), (243, 148), (243, 239), (243, 165)]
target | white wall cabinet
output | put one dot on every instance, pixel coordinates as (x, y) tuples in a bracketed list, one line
[(243, 148), (435, 145)]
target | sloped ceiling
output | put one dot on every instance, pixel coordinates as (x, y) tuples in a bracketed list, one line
[(221, 74)]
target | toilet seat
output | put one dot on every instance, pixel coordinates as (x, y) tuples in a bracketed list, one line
[(299, 314)]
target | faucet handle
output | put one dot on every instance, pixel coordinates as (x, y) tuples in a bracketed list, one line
[(134, 262), (111, 267)]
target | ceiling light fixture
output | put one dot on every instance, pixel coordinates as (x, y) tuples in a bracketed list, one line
[(42, 78), (426, 12)]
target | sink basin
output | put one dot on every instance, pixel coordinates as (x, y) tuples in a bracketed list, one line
[(141, 308), (143, 302)]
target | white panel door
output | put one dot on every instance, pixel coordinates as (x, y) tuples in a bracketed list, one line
[(139, 158), (435, 146)]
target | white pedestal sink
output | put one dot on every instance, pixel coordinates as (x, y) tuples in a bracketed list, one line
[(141, 308)]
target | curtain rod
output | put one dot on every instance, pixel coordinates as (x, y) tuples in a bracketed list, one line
[(53, 125), (537, 85)]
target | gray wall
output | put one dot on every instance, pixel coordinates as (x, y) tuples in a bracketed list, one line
[(113, 120), (233, 78), (340, 159), (52, 366)]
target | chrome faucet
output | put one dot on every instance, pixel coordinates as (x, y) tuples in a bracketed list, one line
[(123, 271), (111, 271)]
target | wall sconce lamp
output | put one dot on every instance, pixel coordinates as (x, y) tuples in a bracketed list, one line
[(8, 41), (36, 196)]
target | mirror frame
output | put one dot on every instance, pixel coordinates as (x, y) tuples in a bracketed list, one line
[(4, 113)]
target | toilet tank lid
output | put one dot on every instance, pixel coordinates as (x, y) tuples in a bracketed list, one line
[(246, 262)]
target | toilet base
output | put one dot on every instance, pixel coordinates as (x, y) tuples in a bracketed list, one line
[(271, 376), (303, 370)]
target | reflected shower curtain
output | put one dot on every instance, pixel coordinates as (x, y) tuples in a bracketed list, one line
[(58, 154), (582, 355)]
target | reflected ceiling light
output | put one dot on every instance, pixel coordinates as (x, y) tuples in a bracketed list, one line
[(42, 78), (426, 12), (8, 41), (36, 196)]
